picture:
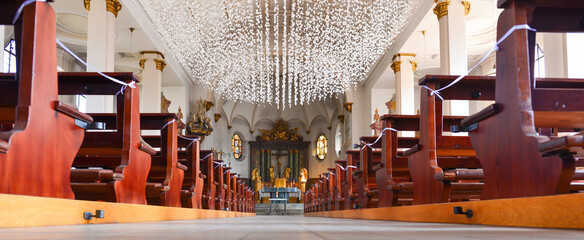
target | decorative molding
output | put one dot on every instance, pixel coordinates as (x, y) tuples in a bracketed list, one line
[(466, 7), (208, 105), (441, 9), (113, 6), (414, 65), (160, 64), (251, 132), (153, 52), (86, 4), (341, 118), (403, 55), (396, 66), (229, 127), (349, 106), (217, 116), (141, 63)]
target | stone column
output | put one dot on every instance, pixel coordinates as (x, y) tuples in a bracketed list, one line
[(153, 64), (556, 55), (453, 55), (101, 45), (404, 66)]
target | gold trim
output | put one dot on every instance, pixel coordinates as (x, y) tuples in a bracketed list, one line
[(396, 66), (152, 52), (403, 55), (141, 63), (349, 106), (86, 4), (414, 65), (217, 116), (160, 64), (441, 9), (466, 7), (208, 105), (113, 6), (341, 118)]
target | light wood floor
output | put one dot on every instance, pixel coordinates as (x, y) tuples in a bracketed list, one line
[(281, 227)]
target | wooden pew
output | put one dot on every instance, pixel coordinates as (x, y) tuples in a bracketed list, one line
[(341, 176), (349, 185), (39, 137), (121, 150), (332, 189), (220, 186), (166, 176), (209, 187), (228, 190), (235, 200), (505, 135), (193, 183), (366, 183)]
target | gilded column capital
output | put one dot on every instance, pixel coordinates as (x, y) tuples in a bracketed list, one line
[(160, 64), (141, 63), (349, 106), (113, 6), (341, 118), (414, 65), (218, 116), (441, 9), (396, 66), (466, 7)]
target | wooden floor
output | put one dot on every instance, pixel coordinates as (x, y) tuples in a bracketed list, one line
[(283, 228), (558, 211)]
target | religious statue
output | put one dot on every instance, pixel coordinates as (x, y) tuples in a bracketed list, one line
[(391, 105), (287, 173), (257, 180), (164, 104), (200, 123), (279, 167), (272, 173), (302, 179), (376, 126)]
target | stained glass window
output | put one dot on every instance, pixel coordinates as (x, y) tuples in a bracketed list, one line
[(236, 146), (321, 147)]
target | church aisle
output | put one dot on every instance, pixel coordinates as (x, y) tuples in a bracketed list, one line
[(279, 227)]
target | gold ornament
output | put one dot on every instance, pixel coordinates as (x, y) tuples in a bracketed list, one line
[(441, 9)]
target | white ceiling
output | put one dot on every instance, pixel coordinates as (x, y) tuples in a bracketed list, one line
[(480, 31)]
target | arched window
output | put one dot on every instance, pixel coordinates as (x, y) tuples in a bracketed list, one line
[(236, 146), (321, 147)]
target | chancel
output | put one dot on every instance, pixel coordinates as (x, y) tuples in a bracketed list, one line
[(291, 119)]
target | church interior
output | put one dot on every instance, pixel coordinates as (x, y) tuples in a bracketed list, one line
[(291, 119)]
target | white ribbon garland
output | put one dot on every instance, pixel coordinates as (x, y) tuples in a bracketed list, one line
[(495, 48), (21, 7), (380, 135), (345, 168), (193, 140), (163, 127)]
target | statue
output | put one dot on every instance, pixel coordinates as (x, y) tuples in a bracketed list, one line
[(257, 180), (272, 173), (279, 167), (376, 126), (302, 179), (287, 173), (164, 104), (391, 105), (200, 124)]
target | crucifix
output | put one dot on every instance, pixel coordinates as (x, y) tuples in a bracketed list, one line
[(278, 155)]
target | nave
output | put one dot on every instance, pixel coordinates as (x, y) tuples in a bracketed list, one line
[(280, 227)]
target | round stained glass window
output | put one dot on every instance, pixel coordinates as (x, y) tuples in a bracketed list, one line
[(321, 147), (236, 146)]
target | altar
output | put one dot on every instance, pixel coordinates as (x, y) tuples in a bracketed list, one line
[(286, 194)]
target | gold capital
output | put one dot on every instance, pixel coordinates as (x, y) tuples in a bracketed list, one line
[(403, 55), (160, 64), (349, 106), (218, 116), (466, 7), (141, 63), (86, 4), (341, 118), (414, 65), (396, 66), (441, 9), (113, 6)]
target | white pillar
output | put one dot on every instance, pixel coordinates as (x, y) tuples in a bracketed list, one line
[(101, 45), (153, 64), (453, 55), (404, 66), (556, 55), (2, 32)]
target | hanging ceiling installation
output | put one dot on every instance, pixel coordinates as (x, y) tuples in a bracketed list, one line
[(281, 52)]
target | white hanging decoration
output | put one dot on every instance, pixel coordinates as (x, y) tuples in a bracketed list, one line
[(281, 52)]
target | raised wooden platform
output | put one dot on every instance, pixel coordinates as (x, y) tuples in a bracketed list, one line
[(27, 211), (559, 211)]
